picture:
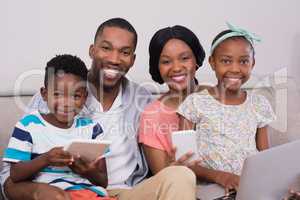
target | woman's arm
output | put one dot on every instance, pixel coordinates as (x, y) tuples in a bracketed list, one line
[(156, 159), (185, 124), (262, 140)]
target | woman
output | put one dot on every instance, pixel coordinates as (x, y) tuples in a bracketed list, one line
[(175, 55)]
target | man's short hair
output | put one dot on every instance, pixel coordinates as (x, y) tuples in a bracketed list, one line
[(119, 23)]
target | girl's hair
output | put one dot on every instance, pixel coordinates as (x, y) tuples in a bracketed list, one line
[(233, 37), (161, 37)]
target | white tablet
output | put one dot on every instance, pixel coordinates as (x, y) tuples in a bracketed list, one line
[(185, 141), (89, 149)]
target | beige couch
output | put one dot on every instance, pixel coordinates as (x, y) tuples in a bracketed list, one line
[(11, 112)]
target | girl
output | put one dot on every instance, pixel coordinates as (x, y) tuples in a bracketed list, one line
[(175, 55), (231, 123)]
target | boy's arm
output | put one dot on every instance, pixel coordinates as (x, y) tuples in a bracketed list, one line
[(262, 140), (22, 171)]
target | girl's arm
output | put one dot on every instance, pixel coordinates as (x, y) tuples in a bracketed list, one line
[(156, 159), (225, 179), (22, 171), (262, 140), (185, 124)]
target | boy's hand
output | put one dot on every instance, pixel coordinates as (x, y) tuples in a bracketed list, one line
[(83, 167), (228, 180), (58, 157)]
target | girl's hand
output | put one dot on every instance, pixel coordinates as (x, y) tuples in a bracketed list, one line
[(58, 157), (293, 195), (228, 180)]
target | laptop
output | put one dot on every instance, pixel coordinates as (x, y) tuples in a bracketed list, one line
[(266, 175)]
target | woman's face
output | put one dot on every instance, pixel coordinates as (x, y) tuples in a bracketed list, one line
[(177, 65)]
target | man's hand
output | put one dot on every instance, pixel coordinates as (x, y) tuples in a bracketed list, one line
[(58, 157)]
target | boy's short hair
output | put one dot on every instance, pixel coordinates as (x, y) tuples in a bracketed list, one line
[(65, 63), (119, 23), (161, 37)]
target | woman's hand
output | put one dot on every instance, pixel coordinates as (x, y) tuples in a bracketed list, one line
[(183, 160)]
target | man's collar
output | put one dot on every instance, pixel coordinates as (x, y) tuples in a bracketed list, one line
[(94, 105)]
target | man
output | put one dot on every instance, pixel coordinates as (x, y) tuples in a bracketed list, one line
[(116, 103)]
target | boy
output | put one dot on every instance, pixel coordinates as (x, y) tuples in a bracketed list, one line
[(35, 149)]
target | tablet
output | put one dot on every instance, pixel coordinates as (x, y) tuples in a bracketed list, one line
[(89, 149), (185, 141)]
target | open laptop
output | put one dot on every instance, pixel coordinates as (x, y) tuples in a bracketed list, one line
[(265, 176)]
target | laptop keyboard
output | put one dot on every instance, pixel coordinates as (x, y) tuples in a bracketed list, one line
[(231, 196)]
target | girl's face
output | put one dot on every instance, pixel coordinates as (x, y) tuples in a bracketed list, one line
[(65, 96), (232, 61), (177, 65)]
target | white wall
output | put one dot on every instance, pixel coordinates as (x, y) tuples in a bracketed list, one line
[(34, 31)]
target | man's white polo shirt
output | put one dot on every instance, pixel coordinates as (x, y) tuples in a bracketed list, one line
[(121, 162)]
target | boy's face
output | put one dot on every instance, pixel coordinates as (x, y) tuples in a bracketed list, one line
[(113, 55), (65, 96)]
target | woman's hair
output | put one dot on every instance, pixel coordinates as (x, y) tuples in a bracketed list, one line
[(162, 36), (221, 34)]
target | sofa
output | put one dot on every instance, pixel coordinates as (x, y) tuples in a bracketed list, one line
[(12, 108)]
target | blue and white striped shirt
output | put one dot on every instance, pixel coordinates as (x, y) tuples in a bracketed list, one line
[(33, 136)]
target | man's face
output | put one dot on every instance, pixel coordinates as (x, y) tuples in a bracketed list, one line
[(113, 55)]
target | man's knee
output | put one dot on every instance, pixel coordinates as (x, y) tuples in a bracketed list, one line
[(179, 174)]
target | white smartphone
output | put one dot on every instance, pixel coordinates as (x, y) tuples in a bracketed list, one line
[(185, 141), (89, 149)]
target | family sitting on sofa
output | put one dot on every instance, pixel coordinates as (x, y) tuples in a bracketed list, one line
[(102, 103)]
